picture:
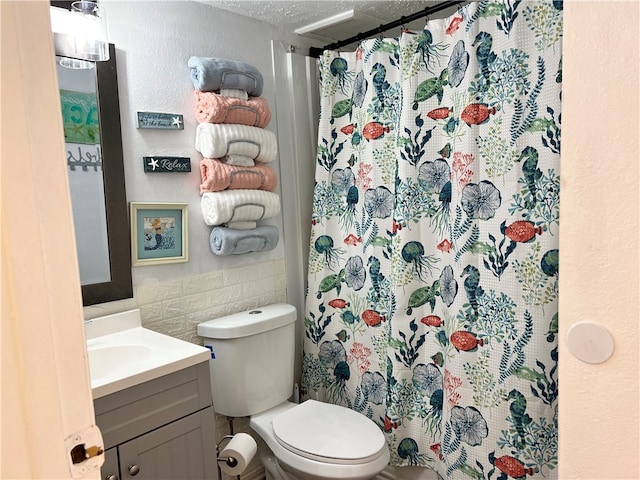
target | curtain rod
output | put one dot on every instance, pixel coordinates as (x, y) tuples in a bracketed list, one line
[(316, 51)]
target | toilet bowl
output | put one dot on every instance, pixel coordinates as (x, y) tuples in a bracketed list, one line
[(251, 367), (315, 441)]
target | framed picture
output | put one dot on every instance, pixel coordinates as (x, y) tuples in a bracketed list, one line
[(158, 233)]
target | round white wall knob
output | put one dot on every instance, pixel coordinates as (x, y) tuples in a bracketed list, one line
[(590, 342)]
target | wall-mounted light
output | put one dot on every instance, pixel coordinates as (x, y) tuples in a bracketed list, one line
[(80, 33)]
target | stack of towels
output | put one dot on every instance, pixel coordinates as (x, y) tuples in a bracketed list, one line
[(237, 183)]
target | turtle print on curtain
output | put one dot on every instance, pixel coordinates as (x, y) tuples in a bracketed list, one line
[(433, 272)]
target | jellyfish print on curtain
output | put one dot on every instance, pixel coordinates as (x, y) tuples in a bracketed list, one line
[(433, 273)]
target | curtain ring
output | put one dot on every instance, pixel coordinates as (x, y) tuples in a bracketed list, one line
[(426, 15), (381, 31)]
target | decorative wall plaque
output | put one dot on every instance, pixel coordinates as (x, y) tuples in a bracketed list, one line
[(163, 121), (163, 164)]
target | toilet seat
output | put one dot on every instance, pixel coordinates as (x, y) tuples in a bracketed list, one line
[(329, 433)]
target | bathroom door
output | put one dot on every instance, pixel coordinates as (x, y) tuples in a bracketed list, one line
[(46, 394)]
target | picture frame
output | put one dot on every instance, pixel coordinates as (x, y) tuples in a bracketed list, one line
[(159, 233)]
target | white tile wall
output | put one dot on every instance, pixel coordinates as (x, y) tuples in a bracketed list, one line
[(176, 307)]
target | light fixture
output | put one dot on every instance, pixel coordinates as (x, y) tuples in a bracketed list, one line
[(80, 33), (326, 22), (341, 25)]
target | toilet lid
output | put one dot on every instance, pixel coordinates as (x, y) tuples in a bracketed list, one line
[(329, 433)]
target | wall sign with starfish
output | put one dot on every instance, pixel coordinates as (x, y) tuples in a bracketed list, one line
[(162, 164), (163, 121)]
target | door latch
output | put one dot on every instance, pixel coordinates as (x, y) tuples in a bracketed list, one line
[(80, 453), (85, 450)]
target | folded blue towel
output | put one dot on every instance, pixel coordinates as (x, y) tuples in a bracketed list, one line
[(229, 241), (210, 74)]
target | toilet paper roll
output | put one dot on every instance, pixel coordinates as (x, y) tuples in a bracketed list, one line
[(242, 447)]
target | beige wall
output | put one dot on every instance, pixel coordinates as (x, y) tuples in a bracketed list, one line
[(599, 237)]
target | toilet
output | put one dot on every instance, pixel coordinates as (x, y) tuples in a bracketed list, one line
[(252, 369)]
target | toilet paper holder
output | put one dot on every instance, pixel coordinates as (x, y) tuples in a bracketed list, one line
[(236, 455), (230, 461)]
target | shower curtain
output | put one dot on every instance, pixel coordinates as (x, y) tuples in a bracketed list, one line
[(433, 269)]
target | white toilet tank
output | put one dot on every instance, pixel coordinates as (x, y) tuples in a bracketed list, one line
[(252, 359)]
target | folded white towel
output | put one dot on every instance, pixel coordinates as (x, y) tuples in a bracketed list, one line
[(216, 140), (234, 93), (239, 161), (241, 225), (238, 206)]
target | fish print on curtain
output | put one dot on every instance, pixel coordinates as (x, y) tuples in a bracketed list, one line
[(432, 304)]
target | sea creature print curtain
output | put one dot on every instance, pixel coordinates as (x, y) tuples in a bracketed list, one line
[(432, 303)]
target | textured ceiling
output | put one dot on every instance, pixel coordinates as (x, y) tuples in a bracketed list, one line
[(292, 15)]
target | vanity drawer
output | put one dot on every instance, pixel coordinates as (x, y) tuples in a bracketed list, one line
[(139, 409)]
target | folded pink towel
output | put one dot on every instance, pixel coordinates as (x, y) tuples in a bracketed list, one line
[(214, 108), (217, 176)]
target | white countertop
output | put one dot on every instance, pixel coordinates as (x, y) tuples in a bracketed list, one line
[(122, 353)]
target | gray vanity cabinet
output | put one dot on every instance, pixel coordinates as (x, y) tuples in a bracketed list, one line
[(173, 451), (160, 429), (110, 468)]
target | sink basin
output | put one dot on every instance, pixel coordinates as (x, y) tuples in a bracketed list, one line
[(122, 353), (109, 360)]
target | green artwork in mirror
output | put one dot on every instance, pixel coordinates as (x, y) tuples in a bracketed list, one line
[(80, 117)]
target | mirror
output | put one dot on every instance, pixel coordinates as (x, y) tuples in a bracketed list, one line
[(91, 116)]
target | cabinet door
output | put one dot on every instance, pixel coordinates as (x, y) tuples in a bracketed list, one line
[(184, 450), (109, 470)]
